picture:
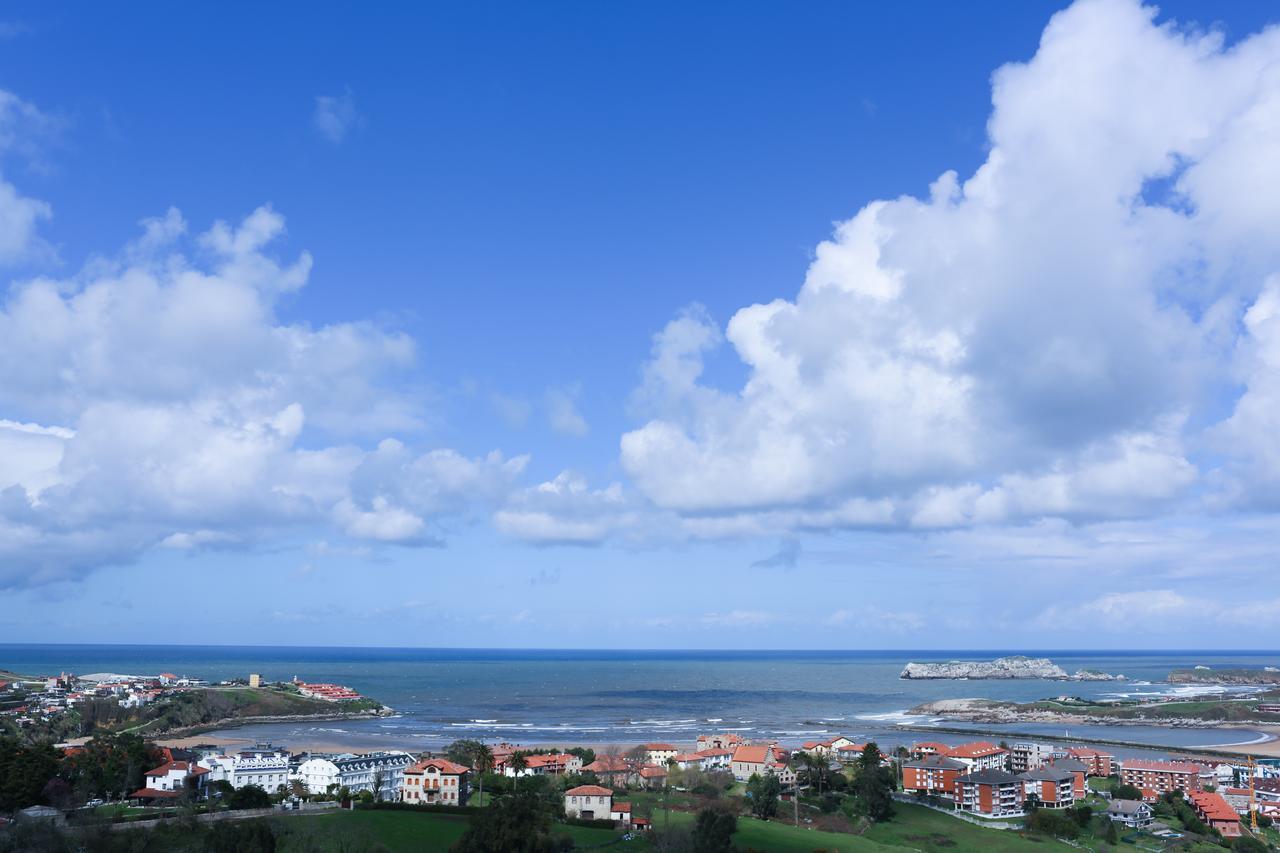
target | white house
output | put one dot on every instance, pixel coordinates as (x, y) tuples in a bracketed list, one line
[(263, 765), (659, 753), (589, 802), (172, 779), (383, 771), (716, 759), (1133, 813)]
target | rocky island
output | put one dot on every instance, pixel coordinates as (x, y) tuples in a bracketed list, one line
[(1015, 666), (1243, 677)]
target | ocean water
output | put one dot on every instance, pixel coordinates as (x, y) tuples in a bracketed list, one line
[(569, 696)]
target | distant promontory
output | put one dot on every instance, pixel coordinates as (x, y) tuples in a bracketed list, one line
[(1015, 666)]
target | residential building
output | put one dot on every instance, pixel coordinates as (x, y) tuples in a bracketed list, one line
[(659, 753), (382, 773), (588, 802), (546, 765), (621, 813), (716, 759), (1099, 763), (652, 776), (932, 774), (929, 747), (991, 793), (173, 779), (263, 765), (1160, 776), (849, 753), (827, 747), (1025, 755), (1079, 774), (611, 768), (728, 740), (691, 761), (1131, 813), (435, 780), (327, 692), (979, 755), (255, 680), (1054, 787), (1216, 812), (749, 760), (785, 773)]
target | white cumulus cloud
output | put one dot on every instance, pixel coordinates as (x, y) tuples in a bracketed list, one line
[(1047, 337)]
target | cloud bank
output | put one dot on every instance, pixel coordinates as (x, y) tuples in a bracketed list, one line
[(1056, 335)]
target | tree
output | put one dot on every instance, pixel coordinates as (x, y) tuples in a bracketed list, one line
[(520, 823), (1245, 844), (763, 792), (249, 797), (713, 831), (462, 751), (1126, 792), (483, 758), (378, 778), (24, 772), (586, 753), (518, 761), (873, 786), (1113, 835)]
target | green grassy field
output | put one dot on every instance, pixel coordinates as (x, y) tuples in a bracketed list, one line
[(913, 828), (921, 828)]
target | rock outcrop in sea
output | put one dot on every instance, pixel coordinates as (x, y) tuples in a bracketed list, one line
[(1015, 666)]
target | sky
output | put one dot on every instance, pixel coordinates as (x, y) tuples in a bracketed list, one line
[(913, 325)]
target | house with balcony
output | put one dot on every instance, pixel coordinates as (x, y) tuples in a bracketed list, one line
[(435, 781)]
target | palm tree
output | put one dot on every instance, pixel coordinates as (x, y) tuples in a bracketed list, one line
[(483, 764)]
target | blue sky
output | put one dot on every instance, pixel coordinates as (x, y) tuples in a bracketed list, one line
[(651, 325)]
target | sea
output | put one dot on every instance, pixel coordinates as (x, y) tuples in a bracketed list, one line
[(555, 696)]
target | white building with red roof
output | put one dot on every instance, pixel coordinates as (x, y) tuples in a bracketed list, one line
[(716, 759), (659, 753), (546, 765), (749, 760), (588, 802), (979, 755), (173, 779)]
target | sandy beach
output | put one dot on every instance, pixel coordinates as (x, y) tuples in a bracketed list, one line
[(1266, 749)]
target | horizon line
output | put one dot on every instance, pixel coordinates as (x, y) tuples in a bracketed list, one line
[(1006, 650)]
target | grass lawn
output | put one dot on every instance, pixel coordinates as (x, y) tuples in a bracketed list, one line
[(925, 829), (1101, 783), (400, 831)]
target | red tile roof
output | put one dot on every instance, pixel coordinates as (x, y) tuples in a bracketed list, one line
[(621, 807), (183, 766), (589, 791), (1160, 766), (655, 747), (751, 754), (651, 771), (153, 793), (441, 765), (1213, 806)]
